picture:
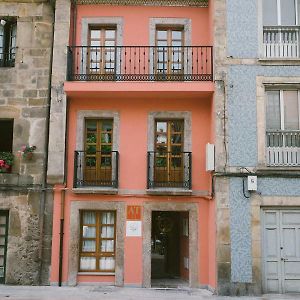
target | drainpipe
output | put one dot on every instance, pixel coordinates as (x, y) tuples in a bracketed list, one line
[(61, 236), (46, 147)]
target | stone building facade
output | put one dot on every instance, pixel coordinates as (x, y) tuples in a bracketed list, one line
[(25, 202), (257, 114)]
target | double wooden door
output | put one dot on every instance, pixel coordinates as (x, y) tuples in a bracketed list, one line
[(3, 243), (98, 152), (169, 156)]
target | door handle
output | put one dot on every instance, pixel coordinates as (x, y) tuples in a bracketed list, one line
[(284, 259)]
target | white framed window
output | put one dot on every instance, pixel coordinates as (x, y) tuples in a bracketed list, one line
[(280, 20), (283, 127)]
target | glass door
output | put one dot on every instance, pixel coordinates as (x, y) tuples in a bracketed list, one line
[(98, 152), (168, 153)]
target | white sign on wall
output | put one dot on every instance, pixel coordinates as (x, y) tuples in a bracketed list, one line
[(134, 228)]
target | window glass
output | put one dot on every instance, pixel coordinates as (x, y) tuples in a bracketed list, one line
[(273, 110), (6, 134), (288, 12), (270, 16), (97, 252), (291, 110)]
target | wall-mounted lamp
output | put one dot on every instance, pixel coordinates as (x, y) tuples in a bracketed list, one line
[(2, 22)]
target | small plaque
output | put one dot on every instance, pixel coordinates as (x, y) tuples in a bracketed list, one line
[(134, 212), (134, 228)]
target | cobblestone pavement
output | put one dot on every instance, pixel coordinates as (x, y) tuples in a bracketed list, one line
[(115, 293)]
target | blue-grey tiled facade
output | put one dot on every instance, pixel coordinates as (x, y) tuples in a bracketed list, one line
[(242, 38)]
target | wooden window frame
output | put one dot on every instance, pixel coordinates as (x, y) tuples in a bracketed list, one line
[(169, 155), (169, 29), (97, 254), (102, 61)]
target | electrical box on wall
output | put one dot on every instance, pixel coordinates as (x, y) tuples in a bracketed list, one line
[(252, 183), (210, 157)]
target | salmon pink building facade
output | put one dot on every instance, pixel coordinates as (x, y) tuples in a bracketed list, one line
[(130, 120)]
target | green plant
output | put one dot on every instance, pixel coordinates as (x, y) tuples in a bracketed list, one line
[(6, 161)]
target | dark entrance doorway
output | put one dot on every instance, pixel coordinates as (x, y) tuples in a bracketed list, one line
[(3, 243), (169, 248)]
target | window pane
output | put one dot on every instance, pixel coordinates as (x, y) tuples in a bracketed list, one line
[(107, 232), (2, 220), (110, 34), (288, 12), (107, 263), (291, 112), (88, 246), (107, 125), (108, 218), (89, 217), (176, 35), (95, 34), (161, 126), (270, 12), (87, 263), (107, 246), (273, 110), (88, 232), (161, 34), (6, 134)]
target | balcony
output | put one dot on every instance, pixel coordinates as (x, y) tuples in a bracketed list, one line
[(7, 59), (283, 148), (281, 42), (169, 171), (140, 63), (96, 170)]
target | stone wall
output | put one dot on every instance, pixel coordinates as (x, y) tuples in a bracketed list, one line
[(24, 98)]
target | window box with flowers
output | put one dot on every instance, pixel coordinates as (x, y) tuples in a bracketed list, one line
[(6, 162), (26, 152)]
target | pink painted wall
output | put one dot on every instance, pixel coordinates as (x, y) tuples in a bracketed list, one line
[(136, 21), (134, 101)]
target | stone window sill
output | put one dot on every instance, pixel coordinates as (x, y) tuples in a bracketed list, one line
[(97, 273), (95, 190), (279, 61), (169, 191)]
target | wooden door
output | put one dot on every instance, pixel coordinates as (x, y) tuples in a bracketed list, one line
[(102, 51), (98, 152), (169, 51), (168, 153)]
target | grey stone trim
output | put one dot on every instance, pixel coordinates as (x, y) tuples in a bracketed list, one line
[(192, 208), (186, 23), (76, 206), (262, 84), (85, 22), (187, 116), (98, 114)]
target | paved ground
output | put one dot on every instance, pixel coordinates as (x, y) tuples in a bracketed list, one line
[(114, 293)]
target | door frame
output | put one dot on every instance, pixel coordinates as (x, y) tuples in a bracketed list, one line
[(279, 210), (192, 209)]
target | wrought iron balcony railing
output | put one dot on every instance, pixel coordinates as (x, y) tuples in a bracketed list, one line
[(140, 63), (96, 169), (281, 42), (7, 59), (169, 170), (283, 148)]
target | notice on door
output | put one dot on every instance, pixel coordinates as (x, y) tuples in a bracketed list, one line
[(134, 228)]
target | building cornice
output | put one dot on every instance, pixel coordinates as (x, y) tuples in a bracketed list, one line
[(193, 3)]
